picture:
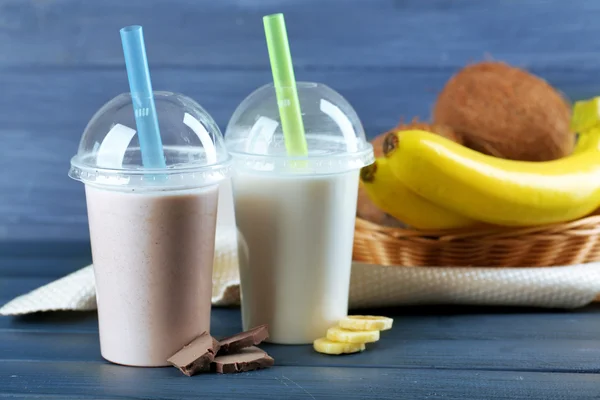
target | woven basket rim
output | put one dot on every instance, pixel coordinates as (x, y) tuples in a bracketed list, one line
[(587, 226)]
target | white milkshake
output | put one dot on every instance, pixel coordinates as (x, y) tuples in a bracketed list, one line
[(296, 214), (299, 232)]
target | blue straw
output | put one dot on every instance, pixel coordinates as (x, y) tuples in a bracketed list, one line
[(140, 86)]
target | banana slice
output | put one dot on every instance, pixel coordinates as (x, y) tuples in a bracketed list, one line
[(323, 345), (337, 334), (366, 323)]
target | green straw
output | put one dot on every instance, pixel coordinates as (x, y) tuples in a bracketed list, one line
[(285, 85)]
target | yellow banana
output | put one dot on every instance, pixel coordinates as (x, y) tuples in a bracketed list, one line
[(366, 323), (586, 122), (392, 196), (326, 346), (585, 115), (494, 190), (588, 140), (337, 334)]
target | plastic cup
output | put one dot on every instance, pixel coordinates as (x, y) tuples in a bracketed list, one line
[(296, 213), (152, 229)]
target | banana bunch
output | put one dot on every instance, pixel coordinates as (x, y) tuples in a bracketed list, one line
[(351, 334), (430, 182)]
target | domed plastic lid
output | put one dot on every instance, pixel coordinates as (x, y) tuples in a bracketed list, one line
[(334, 135), (110, 155)]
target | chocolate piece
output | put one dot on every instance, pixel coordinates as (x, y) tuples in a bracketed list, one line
[(247, 359), (196, 356), (242, 340)]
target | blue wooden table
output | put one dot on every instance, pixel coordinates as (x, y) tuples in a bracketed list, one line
[(60, 60), (434, 352)]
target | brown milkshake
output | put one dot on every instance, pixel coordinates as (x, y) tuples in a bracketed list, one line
[(153, 258), (152, 199)]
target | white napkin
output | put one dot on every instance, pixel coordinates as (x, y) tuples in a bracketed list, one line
[(73, 292), (551, 287)]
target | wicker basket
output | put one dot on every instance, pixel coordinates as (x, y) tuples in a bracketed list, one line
[(551, 245)]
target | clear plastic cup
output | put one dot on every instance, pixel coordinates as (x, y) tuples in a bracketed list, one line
[(152, 230), (296, 214)]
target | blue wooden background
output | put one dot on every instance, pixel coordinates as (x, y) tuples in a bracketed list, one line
[(61, 59)]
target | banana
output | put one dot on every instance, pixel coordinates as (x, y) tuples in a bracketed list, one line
[(586, 122), (326, 346), (337, 334), (585, 115), (392, 196), (494, 190), (588, 140), (366, 323)]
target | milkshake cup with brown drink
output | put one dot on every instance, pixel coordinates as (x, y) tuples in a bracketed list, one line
[(152, 163)]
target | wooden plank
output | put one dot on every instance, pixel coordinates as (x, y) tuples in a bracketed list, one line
[(48, 259), (43, 250), (102, 380), (50, 268), (60, 102), (392, 351), (52, 322), (52, 396), (224, 321), (45, 112), (326, 33), (13, 287)]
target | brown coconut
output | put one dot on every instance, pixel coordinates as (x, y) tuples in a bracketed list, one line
[(506, 112), (365, 208)]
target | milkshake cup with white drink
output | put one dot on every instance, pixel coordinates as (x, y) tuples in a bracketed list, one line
[(297, 149), (152, 164)]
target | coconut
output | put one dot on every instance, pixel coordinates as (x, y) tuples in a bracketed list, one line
[(506, 112), (365, 208)]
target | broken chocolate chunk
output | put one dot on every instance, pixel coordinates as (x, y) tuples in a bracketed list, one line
[(248, 359), (196, 356), (242, 340)]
